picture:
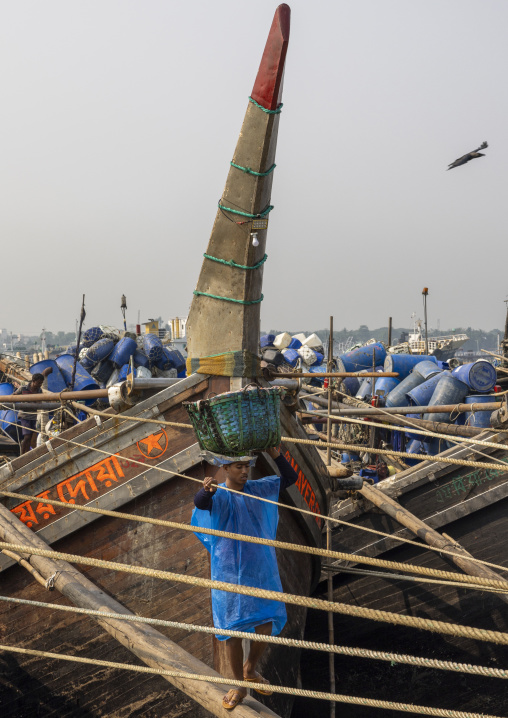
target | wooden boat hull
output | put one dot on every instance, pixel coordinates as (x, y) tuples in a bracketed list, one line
[(113, 480), (471, 506)]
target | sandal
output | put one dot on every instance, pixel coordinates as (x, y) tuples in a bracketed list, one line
[(259, 679), (231, 701)]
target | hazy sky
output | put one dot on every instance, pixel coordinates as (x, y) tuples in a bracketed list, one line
[(119, 119)]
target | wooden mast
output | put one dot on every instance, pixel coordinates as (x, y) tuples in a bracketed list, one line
[(216, 325)]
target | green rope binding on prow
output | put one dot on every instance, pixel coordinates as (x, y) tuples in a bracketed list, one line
[(247, 214), (229, 299), (268, 112), (253, 172), (234, 264)]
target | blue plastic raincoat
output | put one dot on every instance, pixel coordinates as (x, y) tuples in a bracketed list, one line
[(240, 562)]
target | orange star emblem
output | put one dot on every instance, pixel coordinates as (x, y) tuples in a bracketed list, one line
[(154, 445)]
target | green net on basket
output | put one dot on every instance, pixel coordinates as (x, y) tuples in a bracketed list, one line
[(237, 421)]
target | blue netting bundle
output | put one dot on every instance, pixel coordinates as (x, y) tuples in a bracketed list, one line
[(171, 359), (243, 563), (152, 347), (91, 336)]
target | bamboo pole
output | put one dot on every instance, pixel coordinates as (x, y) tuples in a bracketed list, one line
[(332, 374), (423, 531), (331, 637), (145, 642)]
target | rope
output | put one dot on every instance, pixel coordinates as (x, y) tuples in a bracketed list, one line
[(268, 112), (392, 427), (234, 264), (481, 584), (392, 452), (260, 215), (358, 558), (451, 629), (360, 402), (281, 640), (252, 172), (229, 299), (336, 697)]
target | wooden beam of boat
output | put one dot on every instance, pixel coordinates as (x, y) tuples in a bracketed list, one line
[(145, 642), (438, 427), (55, 396), (423, 531), (231, 323), (447, 408), (337, 374)]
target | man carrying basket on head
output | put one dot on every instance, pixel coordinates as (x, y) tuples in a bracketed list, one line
[(243, 563)]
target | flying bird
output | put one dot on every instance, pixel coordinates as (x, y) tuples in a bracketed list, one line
[(470, 156)]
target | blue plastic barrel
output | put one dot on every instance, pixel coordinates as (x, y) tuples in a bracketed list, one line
[(319, 358), (479, 375), (294, 343), (101, 349), (427, 369), (422, 394), (103, 371), (6, 388), (347, 457), (385, 385), (317, 381), (410, 435), (365, 389), (140, 358), (55, 380), (8, 419), (404, 364), (350, 385), (267, 340), (478, 418), (124, 371), (434, 446), (88, 363), (398, 396), (166, 361), (414, 447), (291, 356), (82, 380), (123, 351), (449, 390), (152, 347), (179, 360), (361, 358)]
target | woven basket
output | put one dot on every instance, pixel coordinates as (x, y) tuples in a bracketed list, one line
[(237, 422)]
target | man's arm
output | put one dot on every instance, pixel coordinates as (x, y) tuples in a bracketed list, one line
[(204, 498), (288, 475)]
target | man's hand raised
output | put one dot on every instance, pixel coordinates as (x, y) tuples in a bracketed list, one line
[(210, 484)]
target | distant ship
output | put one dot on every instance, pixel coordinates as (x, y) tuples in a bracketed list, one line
[(443, 348)]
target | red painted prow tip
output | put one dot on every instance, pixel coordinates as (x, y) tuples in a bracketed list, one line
[(267, 89)]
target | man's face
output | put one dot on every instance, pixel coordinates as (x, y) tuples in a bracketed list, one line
[(237, 473), (36, 384)]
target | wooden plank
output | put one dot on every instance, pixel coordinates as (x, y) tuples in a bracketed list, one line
[(149, 645)]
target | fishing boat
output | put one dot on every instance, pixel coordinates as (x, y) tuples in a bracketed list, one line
[(141, 457), (461, 509), (442, 347)]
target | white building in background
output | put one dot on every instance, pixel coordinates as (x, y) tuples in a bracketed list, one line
[(177, 330)]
